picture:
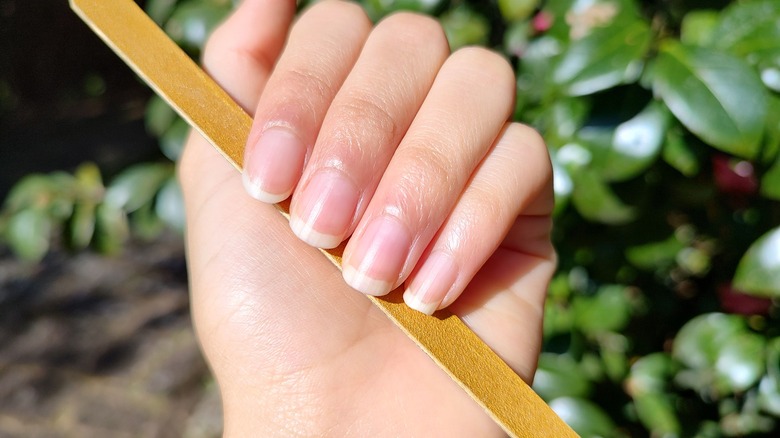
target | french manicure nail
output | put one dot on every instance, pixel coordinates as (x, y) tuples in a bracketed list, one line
[(431, 284), (375, 264), (324, 212), (273, 165)]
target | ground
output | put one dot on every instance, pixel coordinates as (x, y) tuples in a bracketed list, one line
[(95, 346)]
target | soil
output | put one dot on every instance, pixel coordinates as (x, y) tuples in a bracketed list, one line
[(96, 346), (90, 346)]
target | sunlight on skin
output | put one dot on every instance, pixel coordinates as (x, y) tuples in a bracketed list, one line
[(295, 350)]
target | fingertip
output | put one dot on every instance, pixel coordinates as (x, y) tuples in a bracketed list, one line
[(434, 282), (309, 235), (416, 303), (255, 190), (363, 283)]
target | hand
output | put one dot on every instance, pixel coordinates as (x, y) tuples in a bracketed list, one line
[(383, 135)]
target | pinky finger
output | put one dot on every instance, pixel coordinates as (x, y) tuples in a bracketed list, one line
[(513, 180)]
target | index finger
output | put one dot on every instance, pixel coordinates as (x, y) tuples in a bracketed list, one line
[(246, 46)]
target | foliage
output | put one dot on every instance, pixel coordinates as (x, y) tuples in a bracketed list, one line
[(663, 123), (85, 212)]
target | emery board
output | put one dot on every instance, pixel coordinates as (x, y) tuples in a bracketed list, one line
[(125, 27)]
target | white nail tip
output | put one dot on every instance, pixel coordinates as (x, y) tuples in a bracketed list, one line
[(416, 303), (261, 195), (364, 283), (314, 238)]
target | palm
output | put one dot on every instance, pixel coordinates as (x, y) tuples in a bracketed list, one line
[(276, 319)]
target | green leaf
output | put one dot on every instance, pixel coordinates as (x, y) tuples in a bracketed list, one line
[(136, 186), (170, 204), (145, 223), (564, 118), (770, 182), (769, 394), (28, 233), (32, 190), (112, 228), (699, 341), (557, 319), (678, 154), (515, 10), (715, 95), (655, 255), (694, 261), (658, 413), (648, 384), (750, 29), (82, 225), (606, 57), (698, 27), (159, 116), (376, 9), (650, 373), (636, 143), (575, 19), (770, 75), (596, 202), (516, 38), (614, 347), (585, 417), (172, 141), (758, 273), (54, 193), (559, 375), (771, 151), (769, 387), (533, 74), (192, 22), (609, 310), (740, 362), (464, 27), (563, 186), (159, 10)]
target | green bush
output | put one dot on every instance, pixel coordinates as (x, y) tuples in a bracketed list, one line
[(663, 123)]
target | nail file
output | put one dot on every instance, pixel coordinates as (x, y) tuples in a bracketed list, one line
[(125, 27)]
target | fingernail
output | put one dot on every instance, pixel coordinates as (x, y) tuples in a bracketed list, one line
[(325, 209), (273, 165), (375, 264), (431, 284)]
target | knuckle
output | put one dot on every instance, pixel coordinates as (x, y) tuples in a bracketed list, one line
[(478, 211), (427, 168), (486, 65), (414, 29), (424, 182), (348, 11), (527, 141), (307, 83), (215, 43), (485, 201), (361, 117)]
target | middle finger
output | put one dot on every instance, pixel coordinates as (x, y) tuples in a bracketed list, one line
[(364, 125)]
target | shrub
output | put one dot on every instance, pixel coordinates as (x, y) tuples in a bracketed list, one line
[(663, 123)]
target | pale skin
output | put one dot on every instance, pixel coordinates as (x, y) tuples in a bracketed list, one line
[(381, 136)]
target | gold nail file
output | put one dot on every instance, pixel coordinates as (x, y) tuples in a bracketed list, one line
[(199, 100)]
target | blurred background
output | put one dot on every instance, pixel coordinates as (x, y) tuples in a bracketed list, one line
[(663, 122)]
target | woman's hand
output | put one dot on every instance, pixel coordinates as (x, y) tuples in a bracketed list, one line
[(378, 133)]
